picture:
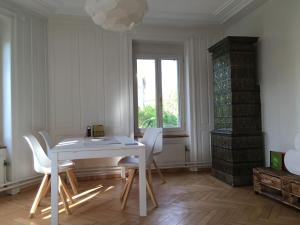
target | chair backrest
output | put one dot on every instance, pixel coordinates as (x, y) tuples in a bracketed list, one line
[(152, 139), (158, 148), (41, 161), (48, 140)]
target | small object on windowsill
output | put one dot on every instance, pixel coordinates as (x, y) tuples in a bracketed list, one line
[(175, 135), (165, 136), (98, 131), (88, 131)]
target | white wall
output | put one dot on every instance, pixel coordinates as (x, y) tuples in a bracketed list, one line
[(88, 81), (29, 85), (276, 23), (90, 72)]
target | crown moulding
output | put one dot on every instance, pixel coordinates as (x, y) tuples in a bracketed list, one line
[(43, 7), (225, 12), (233, 7)]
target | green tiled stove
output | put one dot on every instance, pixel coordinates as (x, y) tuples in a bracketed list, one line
[(237, 140)]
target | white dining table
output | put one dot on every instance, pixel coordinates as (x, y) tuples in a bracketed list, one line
[(87, 148)]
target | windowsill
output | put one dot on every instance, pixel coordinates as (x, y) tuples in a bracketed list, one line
[(166, 136)]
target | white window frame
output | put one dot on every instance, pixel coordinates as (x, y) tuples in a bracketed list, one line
[(181, 92)]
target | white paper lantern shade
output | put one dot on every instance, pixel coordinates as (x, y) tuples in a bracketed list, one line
[(117, 15), (292, 161)]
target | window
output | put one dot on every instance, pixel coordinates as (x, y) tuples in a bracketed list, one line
[(5, 81), (158, 88)]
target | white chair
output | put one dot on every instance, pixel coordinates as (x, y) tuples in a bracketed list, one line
[(48, 140), (292, 157), (153, 141), (70, 172), (155, 153), (42, 164)]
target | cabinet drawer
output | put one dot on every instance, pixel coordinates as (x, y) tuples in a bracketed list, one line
[(271, 181), (296, 189)]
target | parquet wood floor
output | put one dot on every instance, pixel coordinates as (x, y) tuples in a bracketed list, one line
[(186, 199)]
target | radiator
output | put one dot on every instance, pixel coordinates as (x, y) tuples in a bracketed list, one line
[(2, 167), (173, 154)]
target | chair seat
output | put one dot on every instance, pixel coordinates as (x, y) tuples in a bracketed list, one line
[(63, 166), (66, 164), (129, 162)]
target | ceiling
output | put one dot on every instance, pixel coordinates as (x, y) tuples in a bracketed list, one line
[(184, 12)]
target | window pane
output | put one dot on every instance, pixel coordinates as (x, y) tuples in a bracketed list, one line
[(170, 99), (146, 93)]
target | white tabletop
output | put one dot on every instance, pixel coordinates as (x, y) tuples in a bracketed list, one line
[(90, 143)]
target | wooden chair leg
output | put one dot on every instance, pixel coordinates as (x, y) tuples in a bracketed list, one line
[(48, 183), (73, 181), (159, 172), (63, 198), (65, 189), (150, 175), (151, 193), (38, 196), (124, 190), (132, 173), (74, 176)]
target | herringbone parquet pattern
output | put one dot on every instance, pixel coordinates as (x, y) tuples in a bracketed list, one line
[(186, 199)]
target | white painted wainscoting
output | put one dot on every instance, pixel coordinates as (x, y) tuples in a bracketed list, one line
[(90, 81), (87, 81), (28, 86)]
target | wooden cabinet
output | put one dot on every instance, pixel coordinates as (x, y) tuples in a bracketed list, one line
[(279, 185), (295, 188), (237, 141), (271, 181)]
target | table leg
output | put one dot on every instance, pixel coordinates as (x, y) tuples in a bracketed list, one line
[(54, 189), (142, 183), (123, 172)]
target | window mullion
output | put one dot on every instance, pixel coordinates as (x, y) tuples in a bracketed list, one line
[(135, 97), (159, 109)]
